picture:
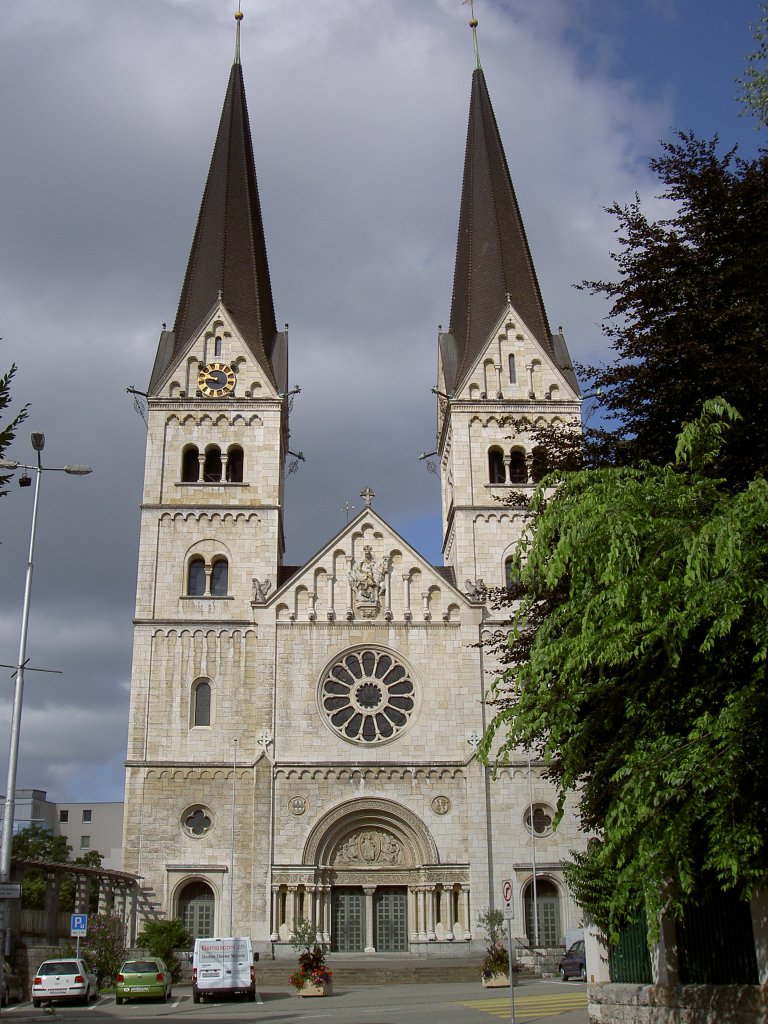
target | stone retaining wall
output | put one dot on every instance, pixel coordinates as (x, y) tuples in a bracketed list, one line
[(678, 1004)]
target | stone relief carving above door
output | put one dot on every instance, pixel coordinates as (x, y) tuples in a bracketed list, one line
[(369, 847)]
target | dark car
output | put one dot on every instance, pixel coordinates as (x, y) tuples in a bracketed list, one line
[(574, 963), (12, 987)]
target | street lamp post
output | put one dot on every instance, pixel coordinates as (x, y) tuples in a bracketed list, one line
[(38, 443)]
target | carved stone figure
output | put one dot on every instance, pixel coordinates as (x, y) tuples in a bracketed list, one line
[(367, 580), (260, 590), (475, 590), (370, 847)]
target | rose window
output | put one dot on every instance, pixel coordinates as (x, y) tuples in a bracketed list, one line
[(367, 696)]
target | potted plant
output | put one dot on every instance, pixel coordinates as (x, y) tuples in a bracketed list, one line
[(311, 977), (494, 969)]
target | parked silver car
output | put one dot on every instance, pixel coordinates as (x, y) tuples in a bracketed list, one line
[(69, 980)]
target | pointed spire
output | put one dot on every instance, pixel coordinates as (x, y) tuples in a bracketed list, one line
[(238, 19), (493, 260), (473, 26), (228, 260)]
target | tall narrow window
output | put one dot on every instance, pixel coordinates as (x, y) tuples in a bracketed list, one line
[(219, 578), (496, 473), (201, 696), (190, 465), (518, 471), (212, 468), (509, 576), (539, 464), (235, 464), (512, 371), (196, 578), (217, 346)]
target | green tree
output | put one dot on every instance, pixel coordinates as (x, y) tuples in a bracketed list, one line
[(162, 938), (35, 843), (638, 671), (689, 310), (754, 84), (104, 946), (8, 431)]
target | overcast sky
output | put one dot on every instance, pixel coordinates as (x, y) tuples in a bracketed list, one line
[(358, 112)]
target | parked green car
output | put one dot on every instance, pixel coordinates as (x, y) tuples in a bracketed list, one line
[(143, 979)]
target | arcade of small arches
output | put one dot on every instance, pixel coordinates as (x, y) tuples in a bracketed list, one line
[(516, 466), (212, 465)]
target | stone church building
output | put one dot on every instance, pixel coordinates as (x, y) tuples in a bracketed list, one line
[(303, 739)]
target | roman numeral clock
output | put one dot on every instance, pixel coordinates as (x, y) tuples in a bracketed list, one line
[(215, 379)]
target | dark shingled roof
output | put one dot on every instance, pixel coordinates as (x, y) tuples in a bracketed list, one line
[(229, 254), (492, 255)]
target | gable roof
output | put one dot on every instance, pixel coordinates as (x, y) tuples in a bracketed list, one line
[(228, 258), (493, 260)]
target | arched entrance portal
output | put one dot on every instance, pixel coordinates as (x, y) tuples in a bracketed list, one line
[(547, 911), (376, 884), (196, 908)]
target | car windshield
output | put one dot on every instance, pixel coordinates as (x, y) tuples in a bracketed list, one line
[(139, 967), (59, 967)]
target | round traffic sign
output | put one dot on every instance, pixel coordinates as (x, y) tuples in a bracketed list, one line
[(506, 890)]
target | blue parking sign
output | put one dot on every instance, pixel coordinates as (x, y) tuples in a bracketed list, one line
[(78, 926)]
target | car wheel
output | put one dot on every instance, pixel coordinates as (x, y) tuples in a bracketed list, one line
[(563, 975), (583, 974), (36, 1003), (195, 997), (119, 1000)]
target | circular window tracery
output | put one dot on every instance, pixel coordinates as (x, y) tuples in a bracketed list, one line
[(367, 696), (197, 820), (542, 816)]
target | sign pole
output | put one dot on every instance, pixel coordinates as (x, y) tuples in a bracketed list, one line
[(507, 895), (511, 973)]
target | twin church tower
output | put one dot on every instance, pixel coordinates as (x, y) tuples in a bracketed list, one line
[(302, 740)]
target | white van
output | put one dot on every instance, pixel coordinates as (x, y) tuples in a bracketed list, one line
[(223, 966)]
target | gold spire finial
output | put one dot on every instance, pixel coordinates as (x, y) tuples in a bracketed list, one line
[(473, 26), (238, 19)]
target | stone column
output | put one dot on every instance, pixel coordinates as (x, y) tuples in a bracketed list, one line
[(350, 563), (275, 933), (467, 918), (431, 914), (758, 906), (664, 955), (290, 909), (369, 890), (328, 913), (406, 597), (422, 895), (413, 912)]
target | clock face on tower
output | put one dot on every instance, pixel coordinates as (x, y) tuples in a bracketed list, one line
[(216, 379)]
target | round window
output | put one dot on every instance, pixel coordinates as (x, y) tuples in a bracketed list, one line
[(538, 819), (197, 821), (367, 696)]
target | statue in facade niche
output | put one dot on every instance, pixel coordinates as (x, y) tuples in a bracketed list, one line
[(367, 578)]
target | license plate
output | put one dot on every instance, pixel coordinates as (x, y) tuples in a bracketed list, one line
[(209, 974), (57, 991), (138, 988)]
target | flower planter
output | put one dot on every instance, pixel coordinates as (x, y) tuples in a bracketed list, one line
[(316, 990), (498, 981)]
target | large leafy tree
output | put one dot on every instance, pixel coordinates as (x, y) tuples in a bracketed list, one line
[(638, 671), (754, 84), (689, 309)]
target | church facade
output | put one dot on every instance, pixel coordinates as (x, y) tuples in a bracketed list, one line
[(303, 740)]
